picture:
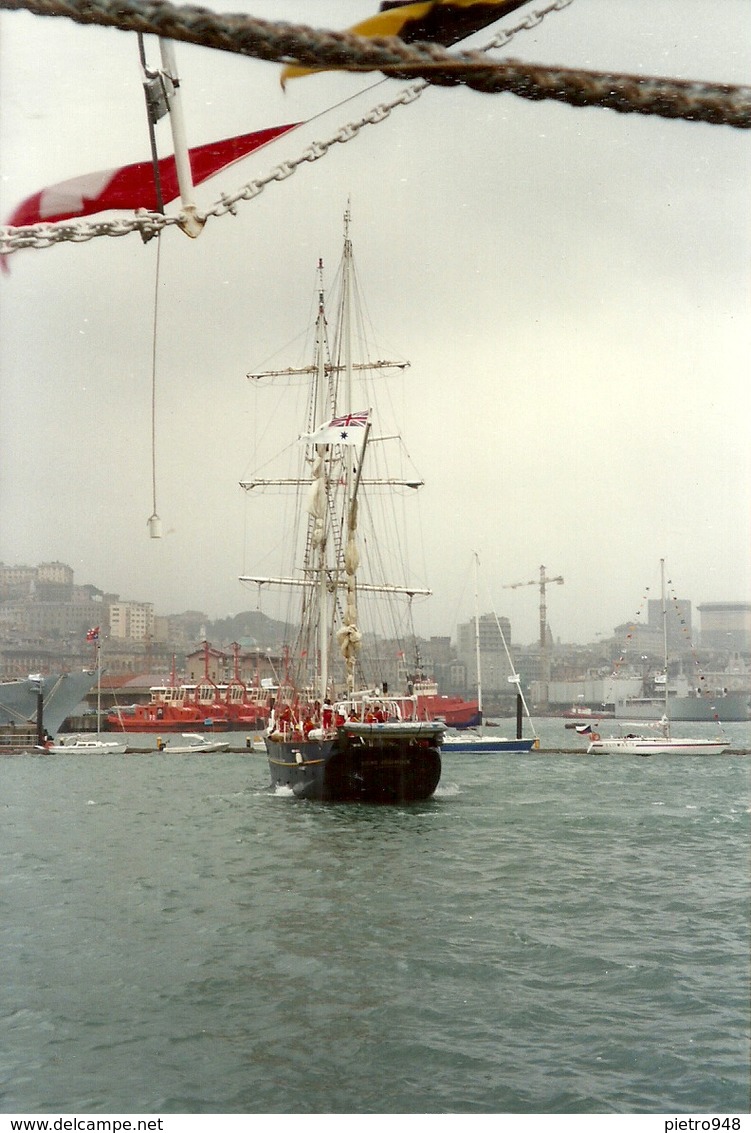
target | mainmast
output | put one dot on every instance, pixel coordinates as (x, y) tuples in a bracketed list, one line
[(318, 506), (349, 636)]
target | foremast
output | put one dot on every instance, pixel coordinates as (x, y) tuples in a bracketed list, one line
[(349, 636), (318, 500)]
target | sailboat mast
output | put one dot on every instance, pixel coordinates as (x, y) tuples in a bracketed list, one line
[(98, 687), (477, 638), (347, 315), (320, 401), (664, 631), (350, 554)]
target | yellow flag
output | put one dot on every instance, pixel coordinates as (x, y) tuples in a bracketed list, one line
[(430, 21)]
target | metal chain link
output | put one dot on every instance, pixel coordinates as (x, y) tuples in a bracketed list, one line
[(692, 101), (150, 224)]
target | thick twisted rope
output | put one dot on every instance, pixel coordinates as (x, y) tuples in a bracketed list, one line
[(714, 103)]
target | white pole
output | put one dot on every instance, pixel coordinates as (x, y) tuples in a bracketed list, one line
[(191, 222), (664, 635), (477, 639), (98, 688)]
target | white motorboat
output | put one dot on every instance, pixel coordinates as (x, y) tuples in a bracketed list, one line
[(88, 745), (198, 745)]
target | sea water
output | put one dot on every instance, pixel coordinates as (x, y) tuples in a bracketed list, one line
[(551, 933)]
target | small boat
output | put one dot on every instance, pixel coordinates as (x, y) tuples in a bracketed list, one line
[(86, 745), (335, 734), (198, 745), (664, 743)]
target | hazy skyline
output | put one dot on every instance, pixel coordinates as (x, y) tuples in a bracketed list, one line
[(571, 288)]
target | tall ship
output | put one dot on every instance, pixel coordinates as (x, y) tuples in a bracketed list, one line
[(337, 733)]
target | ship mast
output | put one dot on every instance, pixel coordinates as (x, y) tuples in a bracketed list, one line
[(664, 637), (349, 635), (477, 639), (318, 506)]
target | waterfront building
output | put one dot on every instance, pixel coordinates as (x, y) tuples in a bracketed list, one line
[(726, 626)]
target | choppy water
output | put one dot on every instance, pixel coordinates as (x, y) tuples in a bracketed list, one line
[(549, 934)]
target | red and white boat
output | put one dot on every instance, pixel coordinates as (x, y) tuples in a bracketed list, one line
[(425, 702)]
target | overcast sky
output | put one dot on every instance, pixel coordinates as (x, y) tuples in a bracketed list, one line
[(571, 287)]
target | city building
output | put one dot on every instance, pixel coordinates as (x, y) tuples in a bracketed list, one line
[(726, 626), (131, 621), (494, 663)]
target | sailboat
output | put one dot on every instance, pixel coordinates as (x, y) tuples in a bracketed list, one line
[(90, 744), (335, 733), (477, 739), (660, 740)]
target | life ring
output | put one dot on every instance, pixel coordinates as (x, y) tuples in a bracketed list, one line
[(594, 737)]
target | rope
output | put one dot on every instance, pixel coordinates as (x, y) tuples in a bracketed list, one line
[(714, 103)]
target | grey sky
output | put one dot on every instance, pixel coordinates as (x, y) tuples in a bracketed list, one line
[(570, 286)]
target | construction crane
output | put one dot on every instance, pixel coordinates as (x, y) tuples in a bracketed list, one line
[(543, 581)]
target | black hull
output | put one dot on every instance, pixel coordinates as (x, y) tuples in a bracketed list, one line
[(356, 768)]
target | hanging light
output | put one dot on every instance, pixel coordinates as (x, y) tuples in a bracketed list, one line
[(154, 525)]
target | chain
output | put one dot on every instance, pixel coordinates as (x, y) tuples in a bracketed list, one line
[(373, 117), (692, 101), (149, 223)]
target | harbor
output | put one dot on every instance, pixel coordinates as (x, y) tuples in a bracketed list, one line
[(554, 736)]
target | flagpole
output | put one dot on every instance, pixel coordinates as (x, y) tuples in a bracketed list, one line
[(191, 222), (98, 687)]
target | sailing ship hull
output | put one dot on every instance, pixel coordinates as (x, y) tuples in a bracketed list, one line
[(361, 763)]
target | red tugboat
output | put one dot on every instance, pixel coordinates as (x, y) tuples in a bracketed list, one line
[(203, 707), (426, 703)]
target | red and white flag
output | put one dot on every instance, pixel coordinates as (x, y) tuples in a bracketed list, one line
[(93, 634), (347, 430), (132, 186)]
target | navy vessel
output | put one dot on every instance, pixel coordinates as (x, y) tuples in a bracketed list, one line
[(61, 695)]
